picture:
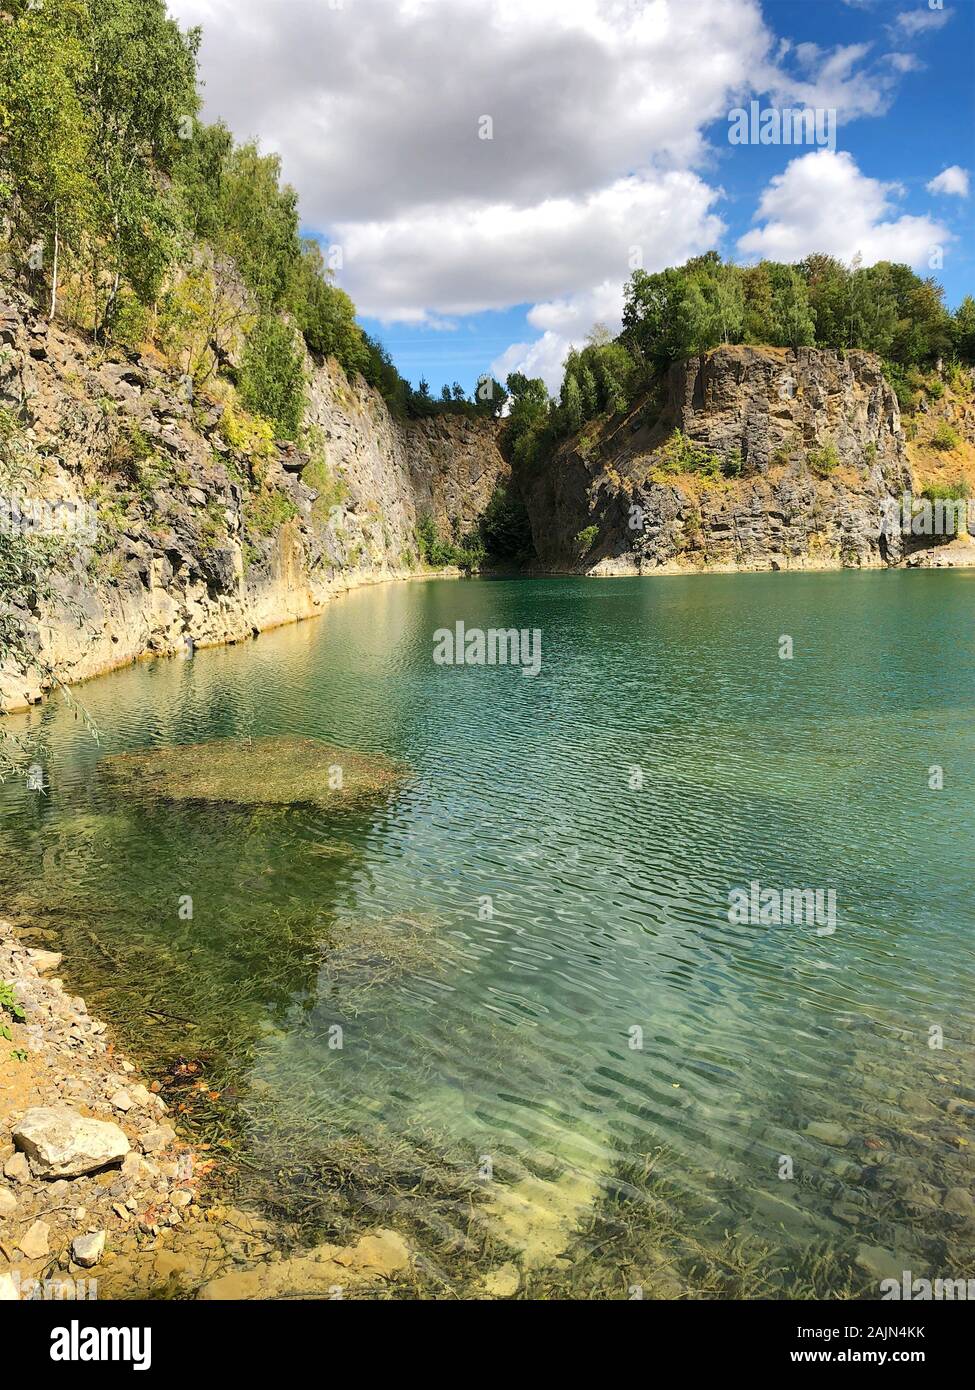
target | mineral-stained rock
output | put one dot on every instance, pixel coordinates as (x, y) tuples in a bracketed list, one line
[(60, 1143), (88, 1250)]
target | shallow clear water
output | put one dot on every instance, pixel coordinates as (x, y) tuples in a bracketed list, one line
[(501, 1043)]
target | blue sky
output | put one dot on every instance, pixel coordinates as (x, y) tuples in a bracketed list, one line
[(608, 132)]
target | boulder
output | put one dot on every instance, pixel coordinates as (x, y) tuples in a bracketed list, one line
[(60, 1143)]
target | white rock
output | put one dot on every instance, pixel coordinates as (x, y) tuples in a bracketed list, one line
[(9, 1290), (121, 1100), (88, 1250), (35, 1243), (140, 1096), (63, 1144), (8, 1202), (43, 961)]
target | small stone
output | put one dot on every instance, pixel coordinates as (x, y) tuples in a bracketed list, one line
[(959, 1201), (158, 1138), (139, 1094), (17, 1169), (502, 1282), (88, 1250), (35, 1243), (126, 1067), (181, 1198), (880, 1264), (828, 1133), (120, 1211), (8, 1202), (9, 1290), (121, 1100)]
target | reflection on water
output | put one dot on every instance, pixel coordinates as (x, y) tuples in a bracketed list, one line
[(503, 1006)]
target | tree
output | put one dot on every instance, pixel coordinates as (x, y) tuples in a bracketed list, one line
[(571, 404), (964, 329), (793, 324), (271, 376), (660, 315), (138, 91), (46, 134)]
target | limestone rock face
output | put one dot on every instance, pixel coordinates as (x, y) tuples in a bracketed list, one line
[(63, 1144), (177, 551), (811, 451)]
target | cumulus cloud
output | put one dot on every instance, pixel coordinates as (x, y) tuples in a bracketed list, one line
[(600, 113), (953, 180), (489, 256), (822, 202)]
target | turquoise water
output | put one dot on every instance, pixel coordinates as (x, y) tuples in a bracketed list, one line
[(554, 875)]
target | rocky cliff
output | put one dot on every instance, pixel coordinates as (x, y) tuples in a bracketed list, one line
[(183, 524), (746, 458)]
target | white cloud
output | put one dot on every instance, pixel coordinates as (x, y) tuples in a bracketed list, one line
[(463, 257), (600, 110), (921, 20), (953, 180), (822, 202)]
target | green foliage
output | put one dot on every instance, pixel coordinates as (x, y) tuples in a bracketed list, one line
[(269, 510), (586, 539), (505, 528), (947, 492), (884, 308), (944, 437), (437, 552), (9, 1006), (272, 380), (683, 455), (823, 461)]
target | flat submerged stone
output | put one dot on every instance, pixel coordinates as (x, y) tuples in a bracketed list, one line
[(277, 771)]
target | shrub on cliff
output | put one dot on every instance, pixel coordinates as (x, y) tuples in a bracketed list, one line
[(272, 380)]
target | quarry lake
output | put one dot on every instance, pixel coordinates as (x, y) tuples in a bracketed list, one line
[(502, 1003)]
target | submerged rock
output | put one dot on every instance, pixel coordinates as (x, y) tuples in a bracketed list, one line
[(63, 1144), (279, 771)]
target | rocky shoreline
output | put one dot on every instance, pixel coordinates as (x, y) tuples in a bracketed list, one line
[(101, 1196)]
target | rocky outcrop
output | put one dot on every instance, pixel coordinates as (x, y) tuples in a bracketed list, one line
[(791, 458), (185, 530)]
